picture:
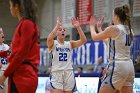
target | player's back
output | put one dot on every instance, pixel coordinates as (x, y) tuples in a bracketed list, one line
[(120, 46)]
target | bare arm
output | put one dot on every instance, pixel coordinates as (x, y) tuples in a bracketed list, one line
[(82, 39), (99, 28), (52, 35), (109, 32)]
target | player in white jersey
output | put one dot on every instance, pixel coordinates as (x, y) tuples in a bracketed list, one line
[(3, 62), (62, 77), (120, 73)]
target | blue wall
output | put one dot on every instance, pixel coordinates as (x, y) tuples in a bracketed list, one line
[(90, 52)]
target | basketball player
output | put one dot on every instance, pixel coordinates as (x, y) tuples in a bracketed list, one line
[(3, 62), (24, 58), (120, 73), (99, 28), (62, 76)]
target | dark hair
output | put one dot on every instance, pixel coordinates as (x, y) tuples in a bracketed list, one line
[(80, 68), (123, 13), (28, 8), (102, 68)]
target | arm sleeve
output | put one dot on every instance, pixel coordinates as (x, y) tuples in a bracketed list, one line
[(26, 30)]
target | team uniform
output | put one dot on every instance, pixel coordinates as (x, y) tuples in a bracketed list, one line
[(24, 59), (62, 76), (4, 64), (120, 71)]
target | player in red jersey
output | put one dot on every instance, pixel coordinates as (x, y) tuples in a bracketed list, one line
[(24, 59)]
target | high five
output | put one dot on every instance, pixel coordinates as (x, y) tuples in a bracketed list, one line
[(120, 73), (62, 76)]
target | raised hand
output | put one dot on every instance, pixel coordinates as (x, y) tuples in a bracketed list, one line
[(59, 21), (100, 23), (93, 21), (75, 22)]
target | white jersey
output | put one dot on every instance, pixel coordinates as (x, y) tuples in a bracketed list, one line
[(120, 71), (61, 58), (120, 46), (4, 47)]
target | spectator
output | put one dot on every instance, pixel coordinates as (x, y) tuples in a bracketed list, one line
[(80, 70), (90, 70)]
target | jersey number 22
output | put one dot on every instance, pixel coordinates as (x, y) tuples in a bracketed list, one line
[(62, 56)]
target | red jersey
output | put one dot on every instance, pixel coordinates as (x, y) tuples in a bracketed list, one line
[(24, 46)]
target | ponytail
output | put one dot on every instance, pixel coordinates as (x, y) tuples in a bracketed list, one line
[(127, 21)]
